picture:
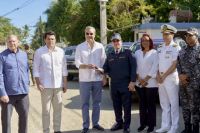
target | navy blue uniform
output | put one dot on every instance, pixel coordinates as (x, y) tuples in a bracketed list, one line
[(121, 68)]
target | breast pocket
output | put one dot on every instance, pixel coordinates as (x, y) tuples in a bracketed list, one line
[(168, 55), (123, 58), (10, 64), (85, 54), (58, 60)]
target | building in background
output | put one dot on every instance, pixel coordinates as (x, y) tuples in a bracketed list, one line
[(154, 29)]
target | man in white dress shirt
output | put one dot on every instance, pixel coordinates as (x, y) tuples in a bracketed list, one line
[(50, 72), (167, 77), (89, 58)]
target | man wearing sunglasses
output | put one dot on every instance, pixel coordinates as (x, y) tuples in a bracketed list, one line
[(189, 76), (89, 58), (120, 65)]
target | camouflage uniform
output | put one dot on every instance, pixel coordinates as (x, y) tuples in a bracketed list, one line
[(189, 64), (30, 54)]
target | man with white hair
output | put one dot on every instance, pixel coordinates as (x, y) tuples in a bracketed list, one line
[(14, 85)]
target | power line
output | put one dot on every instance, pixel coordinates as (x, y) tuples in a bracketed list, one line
[(26, 3)]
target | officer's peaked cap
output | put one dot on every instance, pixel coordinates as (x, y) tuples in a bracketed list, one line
[(166, 28), (116, 36)]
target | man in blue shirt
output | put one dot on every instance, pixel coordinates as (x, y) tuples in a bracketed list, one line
[(14, 85)]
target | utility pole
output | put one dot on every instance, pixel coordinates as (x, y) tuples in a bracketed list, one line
[(103, 21)]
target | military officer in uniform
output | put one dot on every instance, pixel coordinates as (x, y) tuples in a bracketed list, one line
[(167, 78), (189, 76), (120, 65)]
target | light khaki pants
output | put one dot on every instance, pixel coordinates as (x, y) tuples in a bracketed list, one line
[(51, 96)]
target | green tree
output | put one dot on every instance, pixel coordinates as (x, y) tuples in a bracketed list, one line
[(89, 14), (163, 7), (37, 40), (123, 14), (7, 28), (193, 5), (68, 18), (24, 34), (61, 18)]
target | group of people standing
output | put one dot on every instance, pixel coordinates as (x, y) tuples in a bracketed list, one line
[(50, 73), (170, 71)]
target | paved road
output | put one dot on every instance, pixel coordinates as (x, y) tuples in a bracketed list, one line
[(71, 114)]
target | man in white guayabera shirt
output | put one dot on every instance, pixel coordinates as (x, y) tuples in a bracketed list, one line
[(89, 58), (50, 72)]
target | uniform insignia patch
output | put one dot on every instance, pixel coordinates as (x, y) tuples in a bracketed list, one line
[(122, 57), (159, 46), (175, 45), (111, 59)]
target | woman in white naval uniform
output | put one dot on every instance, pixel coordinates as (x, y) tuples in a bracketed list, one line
[(167, 78)]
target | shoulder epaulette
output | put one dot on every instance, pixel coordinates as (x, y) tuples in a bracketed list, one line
[(175, 45), (160, 45)]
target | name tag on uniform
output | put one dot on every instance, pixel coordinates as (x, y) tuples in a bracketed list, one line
[(122, 57), (167, 57), (111, 60), (168, 54)]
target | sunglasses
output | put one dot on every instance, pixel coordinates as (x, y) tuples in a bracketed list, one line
[(89, 33), (115, 40)]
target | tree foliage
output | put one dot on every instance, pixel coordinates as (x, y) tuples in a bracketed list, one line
[(37, 40), (24, 34), (123, 14), (7, 28), (163, 7), (68, 18), (61, 18)]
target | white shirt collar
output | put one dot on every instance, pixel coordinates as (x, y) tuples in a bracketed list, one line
[(54, 50)]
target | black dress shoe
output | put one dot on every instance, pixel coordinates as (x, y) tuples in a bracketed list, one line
[(98, 127), (116, 126), (85, 130), (141, 128), (58, 132), (150, 130), (126, 130)]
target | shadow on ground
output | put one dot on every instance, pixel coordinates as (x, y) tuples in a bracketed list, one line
[(106, 103), (93, 131)]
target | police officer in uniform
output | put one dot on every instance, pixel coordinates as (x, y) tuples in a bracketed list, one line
[(189, 76), (167, 78), (120, 65)]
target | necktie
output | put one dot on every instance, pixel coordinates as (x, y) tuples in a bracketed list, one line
[(117, 51)]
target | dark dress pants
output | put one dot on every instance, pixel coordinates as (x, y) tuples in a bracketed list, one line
[(147, 105), (21, 104), (121, 97)]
